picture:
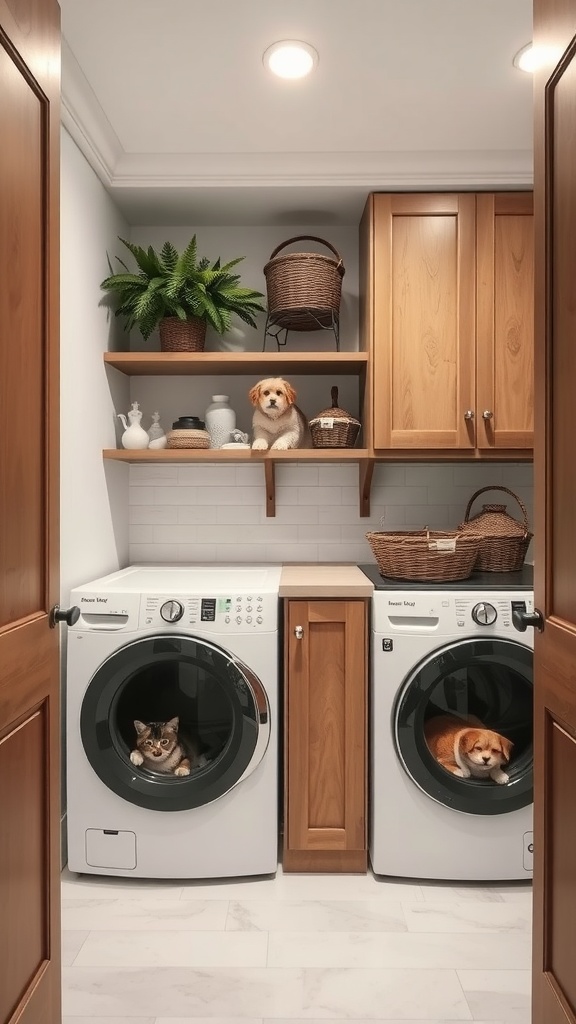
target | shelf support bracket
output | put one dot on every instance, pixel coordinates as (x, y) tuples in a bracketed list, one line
[(270, 479), (365, 471)]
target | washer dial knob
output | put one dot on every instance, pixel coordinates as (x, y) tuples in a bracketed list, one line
[(172, 611), (484, 613)]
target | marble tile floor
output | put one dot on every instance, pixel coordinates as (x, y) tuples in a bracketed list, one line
[(293, 949)]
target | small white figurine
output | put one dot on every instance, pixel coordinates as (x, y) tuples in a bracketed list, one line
[(134, 436), (156, 433)]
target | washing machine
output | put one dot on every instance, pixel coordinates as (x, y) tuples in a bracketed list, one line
[(153, 643), (450, 649)]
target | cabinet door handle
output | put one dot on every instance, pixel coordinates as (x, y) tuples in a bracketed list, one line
[(487, 415), (469, 414), (298, 632)]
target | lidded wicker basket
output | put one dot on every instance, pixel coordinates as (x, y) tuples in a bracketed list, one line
[(425, 554), (304, 288), (334, 427), (504, 540)]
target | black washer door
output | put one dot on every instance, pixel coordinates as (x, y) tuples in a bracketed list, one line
[(489, 679), (219, 702)]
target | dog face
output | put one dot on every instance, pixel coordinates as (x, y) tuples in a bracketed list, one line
[(484, 749), (273, 396)]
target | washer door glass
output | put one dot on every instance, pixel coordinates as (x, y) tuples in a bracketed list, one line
[(489, 680), (223, 712)]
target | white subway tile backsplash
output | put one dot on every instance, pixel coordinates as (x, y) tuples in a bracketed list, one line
[(217, 513), (202, 476), (231, 515), (153, 514), (141, 475)]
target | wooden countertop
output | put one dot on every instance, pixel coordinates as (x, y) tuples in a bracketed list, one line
[(315, 580)]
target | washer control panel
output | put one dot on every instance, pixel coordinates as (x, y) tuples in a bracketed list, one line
[(234, 613), (484, 613)]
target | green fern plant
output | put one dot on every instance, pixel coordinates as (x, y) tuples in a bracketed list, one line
[(169, 283)]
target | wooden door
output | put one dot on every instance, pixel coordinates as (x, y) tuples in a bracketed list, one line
[(505, 320), (29, 675), (555, 478), (325, 736), (424, 324)]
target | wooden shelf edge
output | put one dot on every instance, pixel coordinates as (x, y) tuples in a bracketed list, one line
[(269, 460), (235, 363)]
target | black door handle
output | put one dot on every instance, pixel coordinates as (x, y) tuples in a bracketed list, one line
[(522, 620), (68, 615)]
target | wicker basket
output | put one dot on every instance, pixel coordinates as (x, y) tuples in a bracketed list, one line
[(504, 540), (178, 335), (334, 427), (304, 288), (188, 439), (425, 554)]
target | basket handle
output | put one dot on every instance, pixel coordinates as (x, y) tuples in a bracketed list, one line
[(308, 238), (498, 487)]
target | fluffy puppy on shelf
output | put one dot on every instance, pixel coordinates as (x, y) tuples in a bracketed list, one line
[(277, 422)]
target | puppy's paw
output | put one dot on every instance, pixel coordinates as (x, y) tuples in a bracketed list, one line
[(499, 776), (182, 770), (281, 444), (136, 758), (259, 445), (459, 772)]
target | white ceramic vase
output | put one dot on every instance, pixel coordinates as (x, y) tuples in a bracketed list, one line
[(220, 420)]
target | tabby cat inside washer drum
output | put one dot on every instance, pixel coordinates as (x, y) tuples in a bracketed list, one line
[(172, 707), (451, 724)]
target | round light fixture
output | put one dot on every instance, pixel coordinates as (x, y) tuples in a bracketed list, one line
[(290, 58), (527, 59)]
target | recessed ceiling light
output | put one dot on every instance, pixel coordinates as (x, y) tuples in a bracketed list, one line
[(290, 58), (527, 59)]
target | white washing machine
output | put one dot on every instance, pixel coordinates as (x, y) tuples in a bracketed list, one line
[(450, 649), (152, 643)]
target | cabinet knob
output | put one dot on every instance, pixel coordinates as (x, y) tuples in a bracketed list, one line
[(487, 414), (469, 414), (298, 632), (68, 615)]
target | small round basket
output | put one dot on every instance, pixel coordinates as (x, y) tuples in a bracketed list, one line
[(504, 540), (178, 335), (334, 427), (188, 432), (425, 554), (304, 288)]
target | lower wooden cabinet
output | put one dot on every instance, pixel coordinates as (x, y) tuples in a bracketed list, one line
[(325, 735)]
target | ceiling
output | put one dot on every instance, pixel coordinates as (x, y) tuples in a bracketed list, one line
[(173, 108)]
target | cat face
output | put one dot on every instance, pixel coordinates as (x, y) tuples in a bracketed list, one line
[(156, 740)]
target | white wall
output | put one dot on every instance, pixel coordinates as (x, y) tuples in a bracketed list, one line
[(217, 513), (94, 496)]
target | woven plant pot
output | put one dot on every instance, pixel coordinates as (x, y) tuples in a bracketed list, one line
[(304, 288), (425, 554), (504, 540), (178, 335), (334, 427)]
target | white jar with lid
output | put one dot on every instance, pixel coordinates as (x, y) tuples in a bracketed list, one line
[(220, 420)]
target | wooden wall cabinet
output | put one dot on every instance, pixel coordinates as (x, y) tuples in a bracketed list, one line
[(451, 330), (325, 735)]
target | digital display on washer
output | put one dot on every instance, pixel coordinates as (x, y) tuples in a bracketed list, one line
[(208, 609)]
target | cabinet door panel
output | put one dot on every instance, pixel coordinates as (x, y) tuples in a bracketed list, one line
[(505, 320), (325, 726), (424, 329)]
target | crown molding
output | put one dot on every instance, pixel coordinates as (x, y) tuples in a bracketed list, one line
[(88, 125), (84, 119)]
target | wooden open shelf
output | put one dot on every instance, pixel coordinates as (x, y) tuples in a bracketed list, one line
[(268, 460), (161, 364)]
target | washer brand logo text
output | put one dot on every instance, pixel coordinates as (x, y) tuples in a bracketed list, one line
[(94, 600), (400, 604)]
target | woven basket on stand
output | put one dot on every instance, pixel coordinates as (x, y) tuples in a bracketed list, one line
[(425, 554), (334, 427), (178, 335), (304, 288), (504, 540)]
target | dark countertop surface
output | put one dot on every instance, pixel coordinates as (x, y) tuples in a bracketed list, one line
[(488, 581)]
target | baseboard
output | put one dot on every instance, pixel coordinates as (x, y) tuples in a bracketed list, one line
[(336, 861)]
